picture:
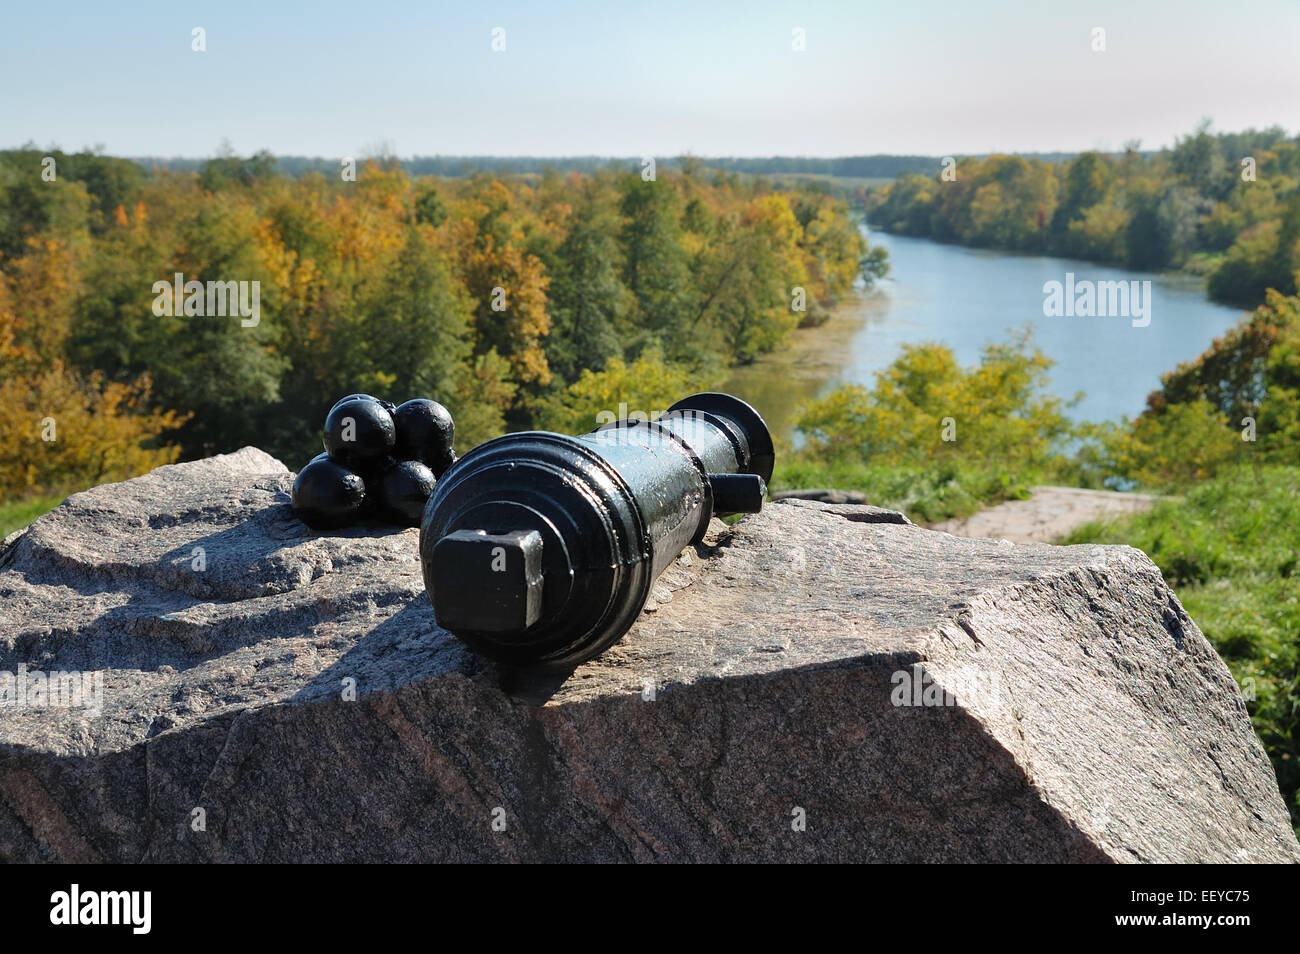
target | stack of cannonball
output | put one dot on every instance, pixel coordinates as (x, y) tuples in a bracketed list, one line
[(380, 463)]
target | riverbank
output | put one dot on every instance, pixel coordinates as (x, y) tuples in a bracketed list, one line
[(812, 362), (970, 298)]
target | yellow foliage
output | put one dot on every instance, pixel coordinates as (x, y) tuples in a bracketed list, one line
[(926, 407), (1187, 442), (57, 429), (649, 385), (493, 294)]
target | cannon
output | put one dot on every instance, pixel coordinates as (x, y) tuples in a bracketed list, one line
[(540, 549)]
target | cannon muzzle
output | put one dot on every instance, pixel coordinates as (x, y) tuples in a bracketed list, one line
[(540, 549)]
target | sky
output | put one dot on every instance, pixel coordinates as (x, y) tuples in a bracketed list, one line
[(663, 78)]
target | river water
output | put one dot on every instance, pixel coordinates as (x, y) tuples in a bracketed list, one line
[(967, 298)]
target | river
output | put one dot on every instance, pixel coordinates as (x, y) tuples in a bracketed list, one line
[(967, 298)]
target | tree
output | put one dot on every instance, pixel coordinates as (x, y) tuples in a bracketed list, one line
[(417, 322), (1086, 185), (589, 301), (1196, 159), (507, 285), (654, 261), (58, 429), (221, 373), (650, 385), (1000, 411)]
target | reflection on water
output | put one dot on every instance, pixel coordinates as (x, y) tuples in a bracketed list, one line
[(967, 298)]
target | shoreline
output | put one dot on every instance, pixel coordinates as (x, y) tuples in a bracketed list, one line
[(810, 363), (1191, 271)]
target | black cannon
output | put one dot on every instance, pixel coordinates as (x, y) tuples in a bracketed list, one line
[(540, 549)]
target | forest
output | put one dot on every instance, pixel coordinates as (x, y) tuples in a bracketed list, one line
[(517, 302), (1224, 205)]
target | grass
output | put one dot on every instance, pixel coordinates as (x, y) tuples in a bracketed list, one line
[(1231, 548), (15, 515)]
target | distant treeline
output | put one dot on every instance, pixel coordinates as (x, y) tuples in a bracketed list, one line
[(1225, 205), (877, 166), (882, 167), (859, 167)]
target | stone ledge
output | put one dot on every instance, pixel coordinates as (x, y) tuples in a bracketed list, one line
[(1089, 719)]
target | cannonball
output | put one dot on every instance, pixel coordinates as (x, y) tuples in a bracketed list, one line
[(425, 432), (326, 495), (403, 490), (387, 405), (359, 431)]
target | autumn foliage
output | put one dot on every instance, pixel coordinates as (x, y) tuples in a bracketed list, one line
[(59, 428), (505, 298)]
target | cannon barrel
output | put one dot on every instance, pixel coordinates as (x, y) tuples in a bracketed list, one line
[(540, 549)]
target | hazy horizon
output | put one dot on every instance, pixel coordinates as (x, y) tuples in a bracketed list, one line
[(583, 80), (600, 157)]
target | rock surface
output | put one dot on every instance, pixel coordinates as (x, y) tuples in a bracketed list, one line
[(748, 716), (823, 494), (1048, 514)]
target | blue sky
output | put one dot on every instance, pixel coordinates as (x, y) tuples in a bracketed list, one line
[(651, 78)]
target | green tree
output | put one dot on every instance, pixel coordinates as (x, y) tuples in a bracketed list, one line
[(589, 302), (655, 266), (650, 385)]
